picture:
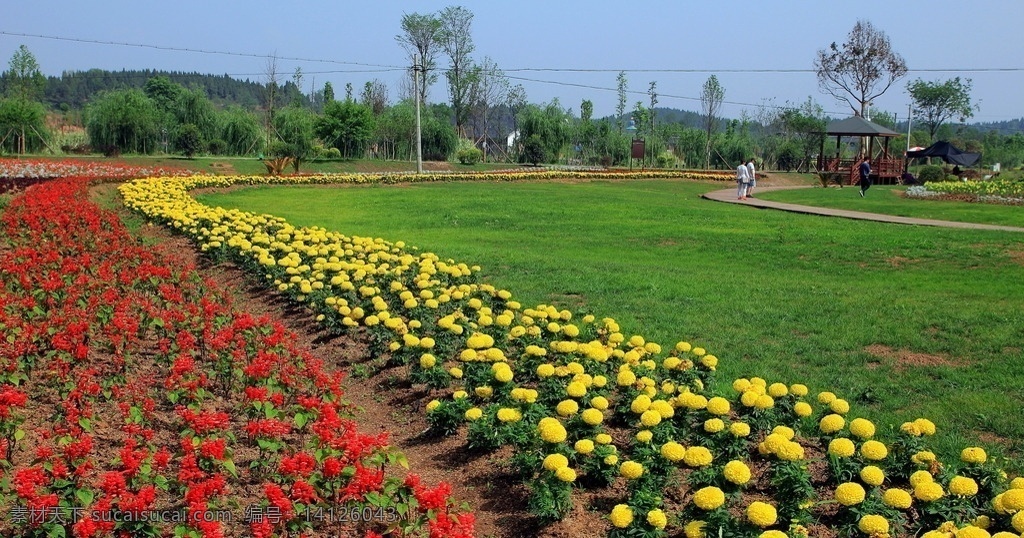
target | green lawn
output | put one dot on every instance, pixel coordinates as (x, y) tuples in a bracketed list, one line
[(887, 199), (793, 298)]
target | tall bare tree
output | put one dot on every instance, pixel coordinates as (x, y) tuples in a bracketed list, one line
[(490, 88), (861, 69), (272, 77), (620, 105), (375, 96), (419, 39), (457, 42), (711, 97)]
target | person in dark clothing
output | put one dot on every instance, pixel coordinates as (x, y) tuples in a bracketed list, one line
[(865, 176)]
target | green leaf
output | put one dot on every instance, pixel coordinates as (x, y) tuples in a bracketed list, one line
[(85, 423), (230, 466), (85, 497), (300, 420), (19, 435)]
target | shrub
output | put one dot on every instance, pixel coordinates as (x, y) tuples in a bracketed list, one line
[(667, 159), (606, 161), (469, 156), (217, 146), (533, 150), (332, 153), (931, 172)]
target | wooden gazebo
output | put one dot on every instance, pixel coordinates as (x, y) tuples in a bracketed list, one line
[(885, 168)]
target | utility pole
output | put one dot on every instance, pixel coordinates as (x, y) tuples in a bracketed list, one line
[(419, 138)]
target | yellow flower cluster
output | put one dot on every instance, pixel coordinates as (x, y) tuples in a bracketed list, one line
[(709, 498), (762, 514), (551, 430)]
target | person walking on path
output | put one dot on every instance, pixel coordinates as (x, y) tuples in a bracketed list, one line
[(742, 180), (865, 176), (753, 178)]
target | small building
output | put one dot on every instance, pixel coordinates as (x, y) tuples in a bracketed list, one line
[(886, 168)]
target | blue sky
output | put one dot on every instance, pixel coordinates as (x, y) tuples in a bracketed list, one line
[(710, 36)]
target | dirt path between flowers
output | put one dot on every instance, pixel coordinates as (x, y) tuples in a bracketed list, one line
[(386, 402)]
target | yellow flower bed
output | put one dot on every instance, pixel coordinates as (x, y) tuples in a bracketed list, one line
[(586, 405)]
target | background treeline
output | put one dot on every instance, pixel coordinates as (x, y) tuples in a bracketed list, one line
[(148, 111)]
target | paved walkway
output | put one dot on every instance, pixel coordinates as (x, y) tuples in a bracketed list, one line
[(729, 195)]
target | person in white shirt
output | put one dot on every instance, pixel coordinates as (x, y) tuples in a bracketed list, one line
[(742, 179), (753, 178)]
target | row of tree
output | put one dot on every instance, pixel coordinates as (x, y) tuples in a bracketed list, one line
[(150, 112)]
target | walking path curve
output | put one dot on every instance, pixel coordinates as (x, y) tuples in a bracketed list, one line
[(729, 195)]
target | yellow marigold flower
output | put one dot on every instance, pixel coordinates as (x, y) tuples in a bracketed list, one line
[(897, 498), (928, 491), (502, 375), (640, 404), (784, 431), (718, 406), (592, 416), (923, 457), (551, 430), (567, 408), (1018, 521), (566, 474), (982, 521), (479, 341), (611, 459), (873, 525), (839, 406), (762, 514), (694, 529), (973, 454), (673, 451), (1013, 499), (434, 404), (737, 472), (603, 439), (920, 477), (764, 402), (575, 368), (709, 498), (644, 436), (773, 442), (802, 409), (749, 398), (621, 516), (926, 426), (826, 397), (507, 414), (455, 372), (910, 429), (625, 378), (709, 361), (872, 475), (600, 381), (484, 392), (790, 451), (972, 531), (584, 446), (831, 424), (663, 408), (874, 450), (778, 390), (671, 363), (1017, 483), (698, 456), (599, 402), (850, 493), (741, 384), (862, 428), (1002, 534), (965, 487), (714, 425), (631, 470), (798, 390), (554, 462), (657, 519), (427, 361), (473, 413), (739, 429), (576, 389), (650, 418), (772, 534)]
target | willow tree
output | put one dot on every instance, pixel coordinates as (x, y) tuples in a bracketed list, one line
[(123, 119)]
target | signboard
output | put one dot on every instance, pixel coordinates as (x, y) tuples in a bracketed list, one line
[(638, 148)]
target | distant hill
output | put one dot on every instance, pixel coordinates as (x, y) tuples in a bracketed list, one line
[(75, 88)]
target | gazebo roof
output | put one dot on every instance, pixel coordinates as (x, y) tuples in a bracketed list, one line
[(857, 126)]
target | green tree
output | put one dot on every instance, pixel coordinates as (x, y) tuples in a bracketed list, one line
[(241, 131), (22, 125), (803, 128), (123, 119), (937, 102), (711, 97), (23, 79), (620, 106), (439, 138), (294, 127), (456, 40), (193, 107), (861, 69), (328, 92), (549, 124), (189, 140), (419, 39), (346, 125)]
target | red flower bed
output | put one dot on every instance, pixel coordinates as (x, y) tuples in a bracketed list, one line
[(135, 401)]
